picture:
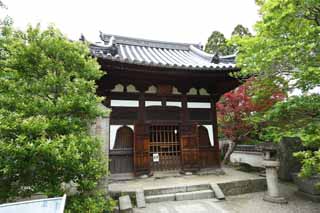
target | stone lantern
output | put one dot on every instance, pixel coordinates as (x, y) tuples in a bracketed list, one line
[(271, 164)]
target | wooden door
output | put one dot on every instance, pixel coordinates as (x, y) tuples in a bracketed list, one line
[(121, 154), (207, 153), (141, 149), (189, 147), (165, 147)]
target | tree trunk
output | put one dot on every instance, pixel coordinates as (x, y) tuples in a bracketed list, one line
[(231, 147)]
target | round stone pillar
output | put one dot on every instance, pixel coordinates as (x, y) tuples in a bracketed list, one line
[(272, 194)]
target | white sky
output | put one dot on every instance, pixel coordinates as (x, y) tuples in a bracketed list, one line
[(168, 20)]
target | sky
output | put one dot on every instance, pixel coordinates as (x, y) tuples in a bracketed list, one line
[(188, 21)]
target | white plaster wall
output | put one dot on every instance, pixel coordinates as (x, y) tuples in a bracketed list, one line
[(201, 105), (210, 132), (124, 103), (153, 103), (174, 103)]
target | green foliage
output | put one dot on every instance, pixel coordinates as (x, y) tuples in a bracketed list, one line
[(299, 116), (286, 45), (90, 204), (241, 31), (310, 163), (286, 52), (47, 102), (218, 44)]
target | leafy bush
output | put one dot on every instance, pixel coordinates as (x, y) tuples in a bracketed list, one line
[(90, 204), (47, 101), (310, 163)]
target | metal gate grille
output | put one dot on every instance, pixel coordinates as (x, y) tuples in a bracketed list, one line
[(164, 146)]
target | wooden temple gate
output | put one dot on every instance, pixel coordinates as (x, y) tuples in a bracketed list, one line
[(168, 134)]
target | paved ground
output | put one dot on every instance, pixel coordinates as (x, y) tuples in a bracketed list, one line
[(158, 181), (246, 203)]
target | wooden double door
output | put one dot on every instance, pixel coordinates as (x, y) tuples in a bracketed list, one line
[(164, 147), (161, 147)]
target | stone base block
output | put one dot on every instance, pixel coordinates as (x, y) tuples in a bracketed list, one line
[(280, 200), (125, 204), (141, 202)]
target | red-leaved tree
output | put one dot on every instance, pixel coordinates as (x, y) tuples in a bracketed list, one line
[(235, 107)]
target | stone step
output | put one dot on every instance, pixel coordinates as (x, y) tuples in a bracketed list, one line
[(191, 195), (195, 195), (160, 198), (178, 189)]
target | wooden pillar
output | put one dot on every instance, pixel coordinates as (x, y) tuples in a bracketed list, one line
[(184, 108), (142, 108), (215, 129), (189, 144), (141, 159)]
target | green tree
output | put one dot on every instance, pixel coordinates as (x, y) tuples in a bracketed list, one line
[(217, 44), (286, 45), (241, 31), (47, 102), (286, 49)]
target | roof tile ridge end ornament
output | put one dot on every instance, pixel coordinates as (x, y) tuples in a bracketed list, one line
[(107, 49)]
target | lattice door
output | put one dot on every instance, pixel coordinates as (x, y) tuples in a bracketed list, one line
[(164, 147)]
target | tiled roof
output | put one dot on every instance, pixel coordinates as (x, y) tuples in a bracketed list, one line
[(159, 53)]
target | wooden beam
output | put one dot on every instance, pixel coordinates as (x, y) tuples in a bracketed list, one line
[(215, 128)]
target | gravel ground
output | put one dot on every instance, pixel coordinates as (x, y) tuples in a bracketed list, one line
[(245, 203)]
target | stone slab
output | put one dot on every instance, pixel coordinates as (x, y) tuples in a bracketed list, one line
[(125, 203), (140, 199), (217, 191)]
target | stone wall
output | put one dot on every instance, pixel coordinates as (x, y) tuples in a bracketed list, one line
[(243, 186)]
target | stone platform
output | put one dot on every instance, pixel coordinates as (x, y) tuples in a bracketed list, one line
[(231, 182)]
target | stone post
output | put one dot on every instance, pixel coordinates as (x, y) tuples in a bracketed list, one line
[(289, 164), (100, 129)]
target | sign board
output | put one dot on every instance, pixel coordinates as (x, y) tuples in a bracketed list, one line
[(50, 205), (156, 157)]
